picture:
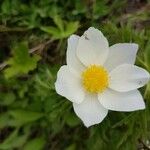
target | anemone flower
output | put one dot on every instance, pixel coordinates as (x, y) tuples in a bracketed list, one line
[(98, 78)]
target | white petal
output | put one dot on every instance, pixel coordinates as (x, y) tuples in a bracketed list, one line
[(90, 111), (122, 101), (69, 85), (128, 77), (121, 53), (72, 61), (92, 47)]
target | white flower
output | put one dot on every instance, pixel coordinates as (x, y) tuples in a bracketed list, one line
[(98, 78)]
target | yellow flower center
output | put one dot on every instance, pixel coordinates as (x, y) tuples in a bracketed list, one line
[(95, 79)]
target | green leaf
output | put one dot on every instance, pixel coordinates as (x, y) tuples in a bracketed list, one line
[(21, 62), (59, 33), (72, 120), (147, 55), (6, 5), (13, 140), (100, 9), (7, 99), (71, 147), (71, 27), (55, 32), (25, 116), (37, 144), (58, 21), (4, 119)]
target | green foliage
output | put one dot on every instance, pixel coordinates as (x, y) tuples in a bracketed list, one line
[(37, 143), (63, 29), (32, 115), (147, 55), (24, 116), (21, 62), (13, 141), (72, 120)]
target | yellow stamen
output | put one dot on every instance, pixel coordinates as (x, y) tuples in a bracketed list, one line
[(95, 79)]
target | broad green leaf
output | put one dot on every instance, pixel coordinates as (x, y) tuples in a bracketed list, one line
[(7, 121), (58, 33), (55, 32), (25, 116), (21, 62), (58, 21), (71, 27), (35, 144)]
